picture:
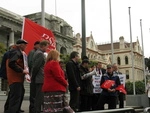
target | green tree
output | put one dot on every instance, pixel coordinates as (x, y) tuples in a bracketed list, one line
[(139, 87)]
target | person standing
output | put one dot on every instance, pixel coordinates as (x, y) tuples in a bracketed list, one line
[(15, 75), (74, 80), (54, 86), (109, 95), (120, 94), (37, 74), (96, 83), (86, 87), (32, 84)]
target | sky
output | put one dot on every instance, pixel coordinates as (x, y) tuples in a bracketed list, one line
[(97, 17)]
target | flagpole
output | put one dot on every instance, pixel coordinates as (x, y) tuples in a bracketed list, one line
[(55, 8), (143, 53), (83, 28), (111, 34), (43, 13), (131, 47)]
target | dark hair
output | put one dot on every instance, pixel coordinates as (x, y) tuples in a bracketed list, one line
[(44, 43), (85, 57), (37, 42), (73, 54), (85, 61)]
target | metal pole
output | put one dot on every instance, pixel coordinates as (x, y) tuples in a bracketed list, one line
[(143, 53), (111, 34), (132, 56), (55, 8), (83, 28), (43, 13)]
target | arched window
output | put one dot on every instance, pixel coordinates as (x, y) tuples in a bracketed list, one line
[(63, 50), (126, 60), (118, 61)]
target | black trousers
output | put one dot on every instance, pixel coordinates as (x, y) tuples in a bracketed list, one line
[(32, 97), (110, 100), (15, 97), (95, 98), (86, 102), (74, 100), (39, 98), (121, 100)]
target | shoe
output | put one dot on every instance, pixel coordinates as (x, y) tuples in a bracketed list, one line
[(21, 110)]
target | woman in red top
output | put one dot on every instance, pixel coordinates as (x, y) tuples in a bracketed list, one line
[(54, 86)]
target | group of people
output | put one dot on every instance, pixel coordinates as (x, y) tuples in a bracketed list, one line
[(84, 85), (49, 82)]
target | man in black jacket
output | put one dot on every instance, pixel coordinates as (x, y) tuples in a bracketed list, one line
[(74, 80), (86, 87)]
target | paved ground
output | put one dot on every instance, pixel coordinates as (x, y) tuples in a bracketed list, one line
[(25, 104)]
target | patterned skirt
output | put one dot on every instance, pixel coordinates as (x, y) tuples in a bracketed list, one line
[(53, 102)]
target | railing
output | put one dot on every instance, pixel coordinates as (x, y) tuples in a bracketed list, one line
[(147, 110), (123, 110)]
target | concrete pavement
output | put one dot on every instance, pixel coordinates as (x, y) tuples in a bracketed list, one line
[(25, 104)]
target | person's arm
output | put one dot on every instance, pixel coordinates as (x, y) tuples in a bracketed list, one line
[(56, 71), (14, 56), (71, 75), (38, 60)]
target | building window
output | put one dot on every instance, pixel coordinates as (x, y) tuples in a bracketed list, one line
[(118, 61), (127, 74), (126, 60)]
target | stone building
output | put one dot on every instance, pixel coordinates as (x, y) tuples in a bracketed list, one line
[(122, 55), (11, 29)]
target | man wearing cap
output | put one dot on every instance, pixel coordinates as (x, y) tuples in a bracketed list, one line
[(109, 95), (15, 75)]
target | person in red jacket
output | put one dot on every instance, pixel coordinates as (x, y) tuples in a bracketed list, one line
[(54, 86)]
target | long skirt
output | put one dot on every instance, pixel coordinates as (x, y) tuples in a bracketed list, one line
[(53, 102)]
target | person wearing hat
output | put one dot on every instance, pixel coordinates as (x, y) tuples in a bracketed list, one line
[(86, 87), (15, 76), (109, 95), (32, 84)]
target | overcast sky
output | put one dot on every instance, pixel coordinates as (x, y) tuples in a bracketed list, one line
[(97, 17)]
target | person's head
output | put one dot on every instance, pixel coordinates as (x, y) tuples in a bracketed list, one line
[(99, 65), (21, 44), (53, 55), (74, 56), (36, 44), (44, 45), (85, 63), (85, 57), (92, 67), (109, 68), (115, 67)]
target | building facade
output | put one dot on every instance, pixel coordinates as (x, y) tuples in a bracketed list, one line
[(122, 55)]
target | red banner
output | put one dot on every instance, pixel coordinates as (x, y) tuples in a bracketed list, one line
[(107, 84), (33, 32), (121, 89)]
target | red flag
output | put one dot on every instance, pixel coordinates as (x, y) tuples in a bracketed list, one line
[(33, 32), (121, 89), (107, 84)]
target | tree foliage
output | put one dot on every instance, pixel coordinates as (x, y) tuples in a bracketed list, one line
[(139, 87)]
